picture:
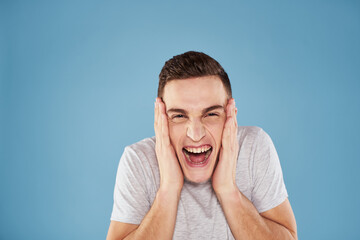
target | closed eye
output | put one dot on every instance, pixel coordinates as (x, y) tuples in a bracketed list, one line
[(212, 115), (178, 116)]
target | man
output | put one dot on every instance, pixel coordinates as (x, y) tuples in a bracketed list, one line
[(202, 176)]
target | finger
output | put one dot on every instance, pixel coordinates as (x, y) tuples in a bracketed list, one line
[(227, 132), (155, 113), (157, 126), (234, 123), (159, 112), (228, 108), (234, 113), (164, 124)]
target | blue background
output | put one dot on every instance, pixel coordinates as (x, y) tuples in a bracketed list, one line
[(79, 78)]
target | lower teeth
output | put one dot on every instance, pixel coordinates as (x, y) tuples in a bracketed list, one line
[(199, 163)]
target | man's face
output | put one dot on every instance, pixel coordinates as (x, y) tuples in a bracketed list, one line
[(196, 115)]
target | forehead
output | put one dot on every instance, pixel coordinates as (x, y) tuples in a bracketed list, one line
[(195, 93)]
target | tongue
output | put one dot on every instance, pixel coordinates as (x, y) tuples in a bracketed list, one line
[(197, 157)]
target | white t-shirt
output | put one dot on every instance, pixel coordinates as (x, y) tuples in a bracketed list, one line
[(200, 216)]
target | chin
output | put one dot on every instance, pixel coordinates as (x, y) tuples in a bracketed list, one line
[(197, 179), (198, 175), (200, 171)]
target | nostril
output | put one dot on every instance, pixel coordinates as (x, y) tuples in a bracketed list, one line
[(196, 134)]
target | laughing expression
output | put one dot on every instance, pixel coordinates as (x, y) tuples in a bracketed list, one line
[(196, 114)]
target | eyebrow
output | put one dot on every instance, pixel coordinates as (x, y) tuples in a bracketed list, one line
[(182, 111)]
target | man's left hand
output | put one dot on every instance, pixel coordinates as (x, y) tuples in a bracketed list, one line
[(223, 179)]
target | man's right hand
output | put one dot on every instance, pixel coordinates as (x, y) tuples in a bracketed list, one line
[(164, 208), (171, 175)]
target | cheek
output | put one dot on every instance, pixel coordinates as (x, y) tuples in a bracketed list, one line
[(216, 129), (176, 131)]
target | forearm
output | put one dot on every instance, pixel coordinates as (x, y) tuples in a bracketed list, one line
[(159, 222), (246, 223)]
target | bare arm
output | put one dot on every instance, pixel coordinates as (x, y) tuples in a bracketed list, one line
[(159, 222), (243, 218), (246, 223), (119, 230)]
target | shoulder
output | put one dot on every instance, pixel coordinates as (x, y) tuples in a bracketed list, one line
[(255, 139), (145, 146), (141, 155), (256, 147), (248, 137), (249, 130), (251, 134), (142, 151)]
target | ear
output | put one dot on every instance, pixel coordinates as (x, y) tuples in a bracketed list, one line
[(235, 110)]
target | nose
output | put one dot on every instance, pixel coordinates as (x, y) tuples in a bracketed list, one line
[(195, 130)]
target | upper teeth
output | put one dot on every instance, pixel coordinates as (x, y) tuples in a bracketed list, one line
[(198, 150)]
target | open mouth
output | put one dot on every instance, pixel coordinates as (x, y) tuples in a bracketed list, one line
[(197, 156)]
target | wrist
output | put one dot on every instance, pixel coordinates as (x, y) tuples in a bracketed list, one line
[(166, 191), (226, 190)]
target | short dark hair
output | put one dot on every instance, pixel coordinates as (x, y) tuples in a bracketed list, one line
[(192, 64)]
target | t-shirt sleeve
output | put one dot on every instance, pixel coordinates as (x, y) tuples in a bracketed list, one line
[(130, 195), (268, 184)]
